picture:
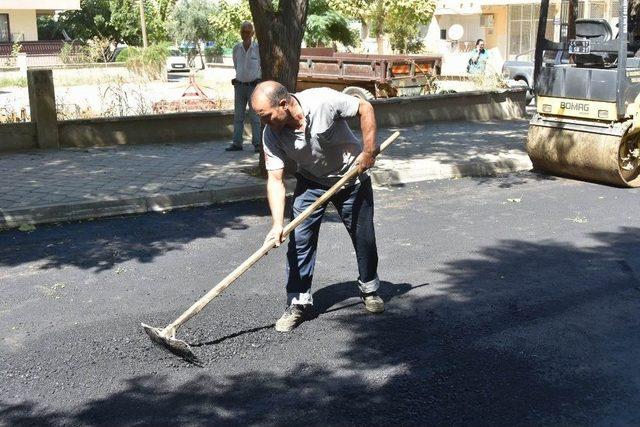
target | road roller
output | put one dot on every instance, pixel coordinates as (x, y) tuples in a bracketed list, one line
[(587, 87)]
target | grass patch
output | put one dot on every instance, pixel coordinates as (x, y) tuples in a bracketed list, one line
[(13, 82), (86, 80)]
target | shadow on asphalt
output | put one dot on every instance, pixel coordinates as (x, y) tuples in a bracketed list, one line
[(469, 147), (324, 300), (523, 333), (514, 179), (101, 244)]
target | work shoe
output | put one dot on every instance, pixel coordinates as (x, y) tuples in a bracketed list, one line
[(292, 317), (372, 302), (233, 148)]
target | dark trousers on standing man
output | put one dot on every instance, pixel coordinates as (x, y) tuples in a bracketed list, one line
[(355, 206), (242, 100)]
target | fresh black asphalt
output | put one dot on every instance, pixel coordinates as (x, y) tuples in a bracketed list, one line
[(510, 301)]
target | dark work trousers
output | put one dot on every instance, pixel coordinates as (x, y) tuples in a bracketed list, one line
[(355, 206)]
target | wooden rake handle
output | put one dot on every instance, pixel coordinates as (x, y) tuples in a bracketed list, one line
[(239, 271)]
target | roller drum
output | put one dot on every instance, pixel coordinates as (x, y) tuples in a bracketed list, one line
[(597, 155)]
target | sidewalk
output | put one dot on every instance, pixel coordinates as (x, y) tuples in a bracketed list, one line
[(52, 186)]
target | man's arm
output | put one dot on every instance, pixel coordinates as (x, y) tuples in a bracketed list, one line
[(475, 57), (367, 158), (233, 56), (235, 64), (259, 62), (276, 197)]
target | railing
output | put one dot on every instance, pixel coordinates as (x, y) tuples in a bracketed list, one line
[(43, 60), (52, 47)]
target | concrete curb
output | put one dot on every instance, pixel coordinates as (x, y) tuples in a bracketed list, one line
[(428, 170), (135, 205), (163, 202)]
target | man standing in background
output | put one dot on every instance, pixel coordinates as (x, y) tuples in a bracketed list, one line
[(479, 57), (246, 61)]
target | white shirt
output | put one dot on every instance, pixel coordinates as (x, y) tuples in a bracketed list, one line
[(247, 62)]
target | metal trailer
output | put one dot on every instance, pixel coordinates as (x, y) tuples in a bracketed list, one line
[(368, 76)]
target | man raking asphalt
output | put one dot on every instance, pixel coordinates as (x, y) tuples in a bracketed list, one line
[(311, 128), (166, 337)]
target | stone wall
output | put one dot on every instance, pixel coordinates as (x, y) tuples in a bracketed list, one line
[(203, 126)]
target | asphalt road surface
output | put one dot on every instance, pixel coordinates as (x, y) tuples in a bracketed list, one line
[(510, 301)]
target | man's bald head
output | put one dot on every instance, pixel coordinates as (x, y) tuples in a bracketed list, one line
[(272, 103), (269, 94)]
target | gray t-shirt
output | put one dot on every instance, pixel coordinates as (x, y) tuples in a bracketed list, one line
[(326, 148)]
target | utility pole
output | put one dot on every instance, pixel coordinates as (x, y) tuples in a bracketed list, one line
[(143, 24)]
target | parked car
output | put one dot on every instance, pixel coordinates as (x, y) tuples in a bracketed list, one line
[(177, 61), (520, 73)]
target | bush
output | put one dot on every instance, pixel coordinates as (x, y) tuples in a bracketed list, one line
[(489, 81), (91, 52), (149, 62), (73, 54), (123, 55), (16, 48), (211, 53)]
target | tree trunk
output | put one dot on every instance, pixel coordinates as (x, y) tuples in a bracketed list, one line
[(379, 25), (279, 35), (380, 43), (201, 55)]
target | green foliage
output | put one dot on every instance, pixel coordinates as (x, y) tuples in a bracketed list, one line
[(226, 19), (398, 18), (48, 29), (16, 48), (403, 24), (92, 20), (125, 17), (95, 50), (68, 54), (405, 39), (149, 62), (211, 52), (325, 26), (157, 15), (117, 20), (163, 9), (190, 21), (13, 82), (123, 55)]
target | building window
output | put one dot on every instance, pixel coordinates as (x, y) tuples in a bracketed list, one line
[(615, 9), (565, 10), (5, 33), (443, 34), (523, 27), (597, 10)]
